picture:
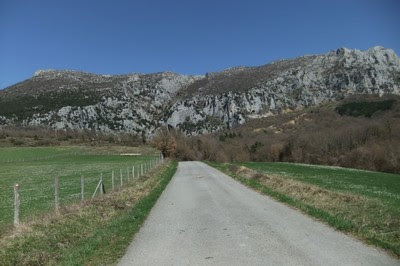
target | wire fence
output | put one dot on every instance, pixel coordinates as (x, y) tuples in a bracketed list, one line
[(50, 194)]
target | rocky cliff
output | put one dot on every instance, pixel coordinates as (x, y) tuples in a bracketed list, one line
[(140, 103)]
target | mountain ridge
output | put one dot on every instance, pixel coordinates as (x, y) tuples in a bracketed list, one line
[(140, 103)]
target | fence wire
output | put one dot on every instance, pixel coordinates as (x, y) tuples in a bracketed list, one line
[(40, 198)]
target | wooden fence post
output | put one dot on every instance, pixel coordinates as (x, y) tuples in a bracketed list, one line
[(82, 188), (56, 186), (127, 173), (120, 173), (16, 205), (112, 180), (141, 166), (133, 172)]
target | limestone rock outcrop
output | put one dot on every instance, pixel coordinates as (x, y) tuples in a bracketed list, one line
[(140, 103)]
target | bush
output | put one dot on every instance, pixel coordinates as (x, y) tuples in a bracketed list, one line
[(366, 108), (16, 142), (165, 142)]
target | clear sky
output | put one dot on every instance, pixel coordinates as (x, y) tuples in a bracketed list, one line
[(190, 37)]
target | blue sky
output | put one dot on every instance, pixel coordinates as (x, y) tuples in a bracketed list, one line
[(190, 37)]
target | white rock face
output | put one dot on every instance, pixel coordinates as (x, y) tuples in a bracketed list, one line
[(326, 77), (4, 120), (140, 103), (42, 71), (136, 105)]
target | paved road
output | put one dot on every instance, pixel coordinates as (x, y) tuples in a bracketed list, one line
[(205, 218)]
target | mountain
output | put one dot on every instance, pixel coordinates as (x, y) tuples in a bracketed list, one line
[(141, 103)]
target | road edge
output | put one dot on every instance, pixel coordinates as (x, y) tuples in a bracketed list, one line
[(333, 221)]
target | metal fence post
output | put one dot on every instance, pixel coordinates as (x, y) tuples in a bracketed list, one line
[(112, 180), (82, 188), (56, 186), (16, 205)]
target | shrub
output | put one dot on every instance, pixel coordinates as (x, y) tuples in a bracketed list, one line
[(16, 142), (165, 142), (364, 108), (255, 146)]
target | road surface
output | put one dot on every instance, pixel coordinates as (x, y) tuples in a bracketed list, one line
[(206, 218)]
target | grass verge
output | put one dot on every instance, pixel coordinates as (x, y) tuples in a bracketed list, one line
[(373, 220), (95, 233)]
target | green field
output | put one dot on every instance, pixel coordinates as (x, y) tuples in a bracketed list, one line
[(13, 154), (34, 169), (96, 232), (375, 185)]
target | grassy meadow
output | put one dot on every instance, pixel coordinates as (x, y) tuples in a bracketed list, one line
[(384, 187), (95, 232), (34, 169)]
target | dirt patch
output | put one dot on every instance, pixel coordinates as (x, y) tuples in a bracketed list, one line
[(247, 173)]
